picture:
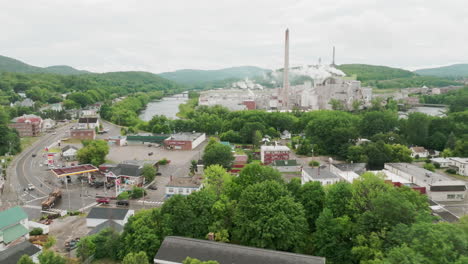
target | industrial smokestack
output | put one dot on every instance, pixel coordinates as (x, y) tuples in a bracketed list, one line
[(285, 91), (333, 58)]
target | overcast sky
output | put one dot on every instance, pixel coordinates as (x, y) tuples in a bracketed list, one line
[(158, 36)]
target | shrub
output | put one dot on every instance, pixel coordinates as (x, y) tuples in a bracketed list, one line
[(451, 171), (429, 166), (137, 192), (314, 163), (123, 196), (72, 213), (437, 165), (36, 231), (163, 161)]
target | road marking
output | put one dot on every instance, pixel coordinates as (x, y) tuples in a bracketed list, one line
[(32, 206), (150, 202), (38, 198), (88, 206)]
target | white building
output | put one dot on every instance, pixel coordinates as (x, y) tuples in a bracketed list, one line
[(183, 185), (69, 152), (348, 171), (448, 191), (321, 174), (268, 154), (443, 162), (48, 124), (420, 152), (88, 123), (286, 135), (88, 112), (461, 164), (99, 215)]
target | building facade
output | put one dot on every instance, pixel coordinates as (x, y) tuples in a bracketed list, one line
[(183, 185), (27, 125), (83, 134), (319, 174), (268, 154), (184, 141)]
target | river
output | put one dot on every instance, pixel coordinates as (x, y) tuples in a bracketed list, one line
[(168, 106)]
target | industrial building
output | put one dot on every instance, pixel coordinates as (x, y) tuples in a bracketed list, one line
[(184, 141)]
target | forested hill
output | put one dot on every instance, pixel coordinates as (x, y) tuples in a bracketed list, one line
[(12, 65), (452, 71), (203, 76), (387, 77)]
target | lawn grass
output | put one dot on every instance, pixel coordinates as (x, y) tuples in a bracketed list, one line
[(27, 142)]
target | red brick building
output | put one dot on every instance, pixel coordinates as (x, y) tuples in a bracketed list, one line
[(268, 154), (250, 104), (27, 125), (184, 141), (83, 134)]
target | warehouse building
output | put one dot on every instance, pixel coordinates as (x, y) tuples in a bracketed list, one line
[(184, 141)]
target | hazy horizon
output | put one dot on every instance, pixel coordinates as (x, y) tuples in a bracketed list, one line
[(104, 35)]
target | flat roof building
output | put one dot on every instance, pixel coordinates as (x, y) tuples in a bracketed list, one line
[(175, 250), (268, 154), (184, 141), (321, 174)]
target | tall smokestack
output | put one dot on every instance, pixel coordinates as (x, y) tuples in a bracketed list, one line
[(286, 71), (333, 60)]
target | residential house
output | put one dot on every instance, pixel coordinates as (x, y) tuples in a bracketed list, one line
[(419, 152), (322, 174), (87, 112), (183, 185), (12, 254), (174, 250), (268, 154), (88, 123), (48, 124), (25, 103), (14, 227), (286, 135), (27, 125), (69, 152), (286, 165), (99, 215)]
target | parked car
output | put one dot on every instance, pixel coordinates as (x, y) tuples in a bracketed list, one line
[(103, 200), (123, 202), (150, 153), (158, 174), (153, 187), (33, 155), (31, 187)]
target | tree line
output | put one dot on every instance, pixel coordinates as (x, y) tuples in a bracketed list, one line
[(368, 221)]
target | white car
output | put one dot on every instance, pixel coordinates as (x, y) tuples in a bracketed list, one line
[(31, 187), (54, 133)]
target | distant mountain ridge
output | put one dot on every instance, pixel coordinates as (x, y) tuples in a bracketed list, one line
[(8, 64), (455, 70), (192, 76)]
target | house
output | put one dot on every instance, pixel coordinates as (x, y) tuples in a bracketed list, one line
[(14, 227), (321, 174), (48, 124), (419, 152), (88, 123), (286, 135), (69, 152), (25, 103), (99, 215), (175, 250), (448, 190), (13, 254), (268, 154), (286, 165), (88, 112), (27, 125), (183, 185), (129, 173), (461, 164), (83, 134), (184, 141)]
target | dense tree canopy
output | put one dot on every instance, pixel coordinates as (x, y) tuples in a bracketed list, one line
[(94, 152)]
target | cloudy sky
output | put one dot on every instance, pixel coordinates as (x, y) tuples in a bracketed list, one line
[(158, 36)]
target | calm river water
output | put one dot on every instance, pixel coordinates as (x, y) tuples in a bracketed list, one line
[(168, 106)]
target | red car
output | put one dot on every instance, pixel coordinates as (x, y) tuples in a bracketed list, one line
[(103, 200)]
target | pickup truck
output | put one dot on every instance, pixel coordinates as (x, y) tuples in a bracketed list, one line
[(103, 200)]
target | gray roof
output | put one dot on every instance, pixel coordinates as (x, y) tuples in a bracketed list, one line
[(67, 147), (11, 255), (87, 120), (127, 170), (176, 249), (189, 182), (106, 224), (358, 168), (322, 172), (107, 213), (185, 136)]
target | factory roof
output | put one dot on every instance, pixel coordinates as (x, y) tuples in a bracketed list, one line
[(358, 168), (461, 160), (175, 249), (320, 173), (420, 173), (185, 136), (448, 186), (275, 148)]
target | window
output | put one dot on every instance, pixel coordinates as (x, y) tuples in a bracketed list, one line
[(459, 196), (450, 196), (171, 190)]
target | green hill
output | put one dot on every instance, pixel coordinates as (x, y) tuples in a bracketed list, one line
[(8, 64), (365, 72), (188, 76), (384, 77), (452, 71)]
